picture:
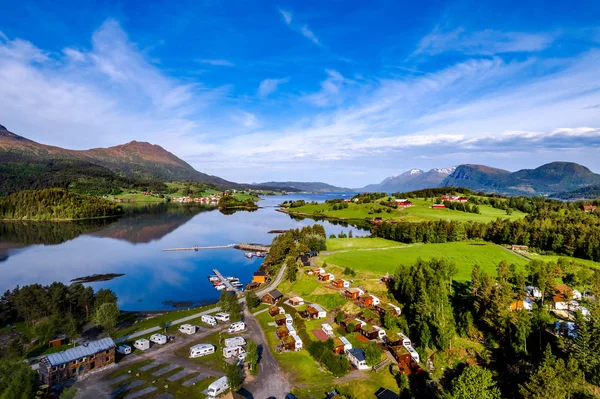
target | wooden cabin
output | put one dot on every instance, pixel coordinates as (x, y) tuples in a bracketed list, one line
[(280, 319), (372, 332), (365, 300), (316, 312), (353, 293), (272, 297), (58, 340), (296, 301), (339, 283), (275, 310), (326, 276), (341, 344), (259, 277), (282, 332)]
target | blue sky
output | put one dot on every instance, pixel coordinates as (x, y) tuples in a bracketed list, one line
[(346, 92)]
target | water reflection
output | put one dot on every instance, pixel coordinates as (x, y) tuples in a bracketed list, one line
[(133, 246)]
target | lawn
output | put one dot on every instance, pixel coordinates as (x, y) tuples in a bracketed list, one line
[(214, 360), (422, 208), (340, 244), (463, 254)]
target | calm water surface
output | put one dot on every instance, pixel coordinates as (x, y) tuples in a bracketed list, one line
[(43, 253)]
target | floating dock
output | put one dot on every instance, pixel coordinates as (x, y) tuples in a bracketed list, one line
[(225, 282)]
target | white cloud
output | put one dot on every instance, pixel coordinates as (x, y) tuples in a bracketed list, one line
[(485, 42), (74, 55), (330, 90), (287, 16), (304, 30), (269, 86), (307, 33), (217, 62)]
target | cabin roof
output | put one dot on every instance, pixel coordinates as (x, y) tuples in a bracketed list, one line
[(91, 348), (358, 353)]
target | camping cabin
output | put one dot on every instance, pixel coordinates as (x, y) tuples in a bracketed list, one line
[(158, 339), (124, 349), (353, 293), (201, 350), (365, 300), (77, 361), (380, 332), (280, 319), (208, 319), (341, 345), (259, 277), (316, 312), (375, 301), (326, 276), (439, 206), (58, 340), (275, 310), (340, 283), (292, 343), (317, 271), (235, 341), (236, 327), (388, 307), (218, 387), (413, 353), (187, 329), (231, 351), (372, 332), (327, 329), (397, 339), (296, 301), (282, 332), (272, 297), (357, 357), (222, 316), (406, 364), (142, 344), (519, 248), (589, 208)]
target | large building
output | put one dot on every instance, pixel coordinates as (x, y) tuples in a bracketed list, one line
[(77, 361)]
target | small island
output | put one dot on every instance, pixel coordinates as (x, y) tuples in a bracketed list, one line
[(55, 204), (230, 202)]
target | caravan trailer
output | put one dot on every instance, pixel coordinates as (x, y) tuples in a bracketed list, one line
[(158, 339), (236, 327), (232, 351), (218, 387), (222, 316), (209, 320), (187, 329), (124, 349), (201, 350), (235, 341), (142, 344)]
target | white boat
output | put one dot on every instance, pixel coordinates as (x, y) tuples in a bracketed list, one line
[(220, 287), (232, 279)]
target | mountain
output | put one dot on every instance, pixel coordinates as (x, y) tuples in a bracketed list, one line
[(546, 179), (313, 187), (414, 179), (139, 160)]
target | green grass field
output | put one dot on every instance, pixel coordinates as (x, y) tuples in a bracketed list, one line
[(420, 211), (554, 258), (463, 254), (341, 244)]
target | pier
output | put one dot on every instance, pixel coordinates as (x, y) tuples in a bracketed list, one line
[(252, 247), (225, 281), (197, 248)]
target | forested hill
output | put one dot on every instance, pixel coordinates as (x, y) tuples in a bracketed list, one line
[(55, 204)]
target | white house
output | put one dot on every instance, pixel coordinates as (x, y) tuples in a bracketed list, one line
[(187, 329), (321, 312), (327, 329), (158, 339), (201, 350), (413, 353), (142, 344), (533, 291), (528, 304), (380, 332), (356, 356), (376, 300)]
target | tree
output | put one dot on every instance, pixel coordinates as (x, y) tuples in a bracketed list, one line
[(70, 328), (106, 316), (585, 350), (16, 380), (104, 296), (234, 376), (252, 300), (476, 279), (339, 317), (475, 383), (372, 353), (252, 355), (291, 273)]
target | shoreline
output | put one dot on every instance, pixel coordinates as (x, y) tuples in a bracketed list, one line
[(62, 220), (284, 210)]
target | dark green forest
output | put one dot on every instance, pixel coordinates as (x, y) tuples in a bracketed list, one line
[(53, 204)]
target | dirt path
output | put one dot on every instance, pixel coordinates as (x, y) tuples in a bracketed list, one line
[(513, 252)]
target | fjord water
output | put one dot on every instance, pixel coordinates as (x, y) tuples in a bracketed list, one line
[(43, 253)]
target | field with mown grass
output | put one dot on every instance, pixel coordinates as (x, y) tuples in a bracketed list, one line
[(340, 244), (463, 254)]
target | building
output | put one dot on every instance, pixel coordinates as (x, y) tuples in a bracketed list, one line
[(372, 332), (534, 292), (356, 356), (365, 300), (272, 297), (564, 296), (341, 345), (376, 300), (58, 340), (521, 248), (259, 277), (353, 293), (388, 307), (397, 339), (296, 301), (339, 283), (275, 310), (439, 206), (292, 343), (405, 204), (282, 332), (316, 312), (77, 361), (589, 208), (526, 304), (317, 271), (326, 276), (280, 319)]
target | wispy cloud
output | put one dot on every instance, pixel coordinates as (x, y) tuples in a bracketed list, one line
[(269, 86), (485, 42), (217, 62), (304, 30), (330, 90), (592, 106)]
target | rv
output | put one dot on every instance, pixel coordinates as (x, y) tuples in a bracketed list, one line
[(288, 320), (142, 344), (209, 320), (232, 351), (413, 353), (124, 349), (187, 329), (236, 327), (222, 316), (158, 339), (235, 341), (201, 350), (218, 387)]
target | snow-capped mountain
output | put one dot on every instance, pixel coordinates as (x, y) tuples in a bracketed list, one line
[(414, 179)]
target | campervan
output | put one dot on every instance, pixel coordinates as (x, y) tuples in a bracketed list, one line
[(142, 344), (236, 327), (405, 340), (158, 339), (413, 353), (187, 329), (201, 350), (222, 316), (288, 320), (209, 320), (235, 341), (218, 387), (124, 349), (232, 351)]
